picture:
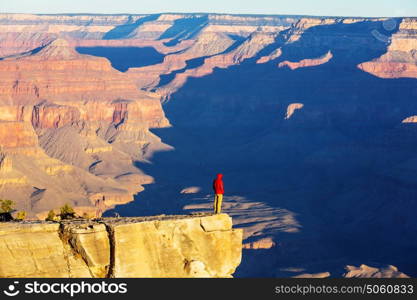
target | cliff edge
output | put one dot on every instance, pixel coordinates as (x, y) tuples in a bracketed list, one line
[(162, 246)]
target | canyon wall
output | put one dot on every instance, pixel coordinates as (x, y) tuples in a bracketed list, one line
[(164, 246)]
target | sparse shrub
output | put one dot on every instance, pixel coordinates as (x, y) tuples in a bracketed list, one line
[(51, 216), (21, 215), (67, 212), (6, 206)]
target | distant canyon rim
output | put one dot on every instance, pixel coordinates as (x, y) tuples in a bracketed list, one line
[(312, 121)]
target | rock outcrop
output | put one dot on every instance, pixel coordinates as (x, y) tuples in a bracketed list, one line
[(307, 62), (292, 108), (57, 71), (164, 246)]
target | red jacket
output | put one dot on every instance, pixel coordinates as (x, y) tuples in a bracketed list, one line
[(218, 184)]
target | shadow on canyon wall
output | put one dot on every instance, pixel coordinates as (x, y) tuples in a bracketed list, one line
[(344, 163), (123, 58)]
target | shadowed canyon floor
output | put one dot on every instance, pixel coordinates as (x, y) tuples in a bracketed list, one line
[(311, 121)]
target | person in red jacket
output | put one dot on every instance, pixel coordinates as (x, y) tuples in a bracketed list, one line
[(218, 193)]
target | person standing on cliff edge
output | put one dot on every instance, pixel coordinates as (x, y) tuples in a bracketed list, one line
[(218, 193)]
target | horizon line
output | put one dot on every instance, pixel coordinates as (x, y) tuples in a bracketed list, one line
[(196, 13)]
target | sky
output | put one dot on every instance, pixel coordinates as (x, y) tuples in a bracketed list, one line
[(364, 8)]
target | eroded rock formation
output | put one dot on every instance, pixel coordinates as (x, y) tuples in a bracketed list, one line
[(164, 246), (363, 271), (400, 59), (68, 117)]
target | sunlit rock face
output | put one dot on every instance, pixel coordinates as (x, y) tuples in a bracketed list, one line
[(166, 246), (307, 62), (412, 119), (58, 71), (364, 271), (400, 59)]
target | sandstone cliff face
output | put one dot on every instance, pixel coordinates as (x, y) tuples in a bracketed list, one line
[(412, 119), (176, 246)]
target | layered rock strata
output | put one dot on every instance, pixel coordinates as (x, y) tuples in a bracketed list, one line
[(162, 246)]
